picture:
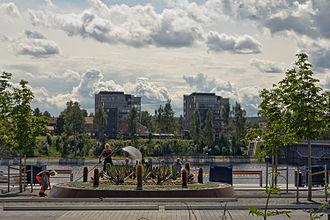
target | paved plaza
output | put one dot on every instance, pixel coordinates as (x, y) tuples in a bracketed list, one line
[(29, 206)]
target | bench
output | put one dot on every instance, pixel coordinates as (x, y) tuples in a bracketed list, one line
[(69, 172), (248, 174)]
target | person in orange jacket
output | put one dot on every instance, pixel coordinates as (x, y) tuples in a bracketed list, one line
[(43, 179)]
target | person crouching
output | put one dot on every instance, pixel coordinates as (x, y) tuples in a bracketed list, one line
[(43, 179)]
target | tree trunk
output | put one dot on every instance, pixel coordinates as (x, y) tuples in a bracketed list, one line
[(309, 197), (20, 172), (273, 166)]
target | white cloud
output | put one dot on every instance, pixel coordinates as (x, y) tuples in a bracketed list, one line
[(92, 82), (242, 44), (9, 9), (325, 83), (201, 83), (319, 51), (136, 26), (34, 44), (266, 66), (246, 96)]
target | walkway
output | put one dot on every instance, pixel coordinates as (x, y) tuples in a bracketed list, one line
[(29, 206)]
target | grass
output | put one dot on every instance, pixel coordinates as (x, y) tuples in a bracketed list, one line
[(195, 186)]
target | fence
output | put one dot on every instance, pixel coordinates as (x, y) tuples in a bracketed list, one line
[(248, 174)]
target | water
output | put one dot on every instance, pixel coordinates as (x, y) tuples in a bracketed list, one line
[(134, 153), (77, 172)]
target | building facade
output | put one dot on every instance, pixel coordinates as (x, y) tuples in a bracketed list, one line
[(203, 102), (117, 105)]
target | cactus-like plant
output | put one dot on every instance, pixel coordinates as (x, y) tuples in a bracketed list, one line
[(139, 176), (187, 166), (184, 178), (200, 175), (158, 178), (85, 174), (96, 177)]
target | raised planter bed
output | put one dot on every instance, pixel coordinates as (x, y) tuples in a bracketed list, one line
[(63, 190)]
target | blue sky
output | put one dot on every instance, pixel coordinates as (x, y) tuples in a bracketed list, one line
[(159, 49)]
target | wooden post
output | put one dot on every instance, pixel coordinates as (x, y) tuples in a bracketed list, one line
[(31, 178), (8, 178), (20, 172), (261, 179), (276, 165), (273, 161), (287, 178), (297, 177), (266, 174), (326, 182), (24, 176)]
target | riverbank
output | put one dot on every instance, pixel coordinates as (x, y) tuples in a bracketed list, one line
[(78, 161)]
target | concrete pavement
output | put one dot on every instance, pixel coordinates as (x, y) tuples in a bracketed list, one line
[(29, 206)]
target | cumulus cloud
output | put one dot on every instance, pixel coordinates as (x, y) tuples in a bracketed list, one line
[(34, 44), (201, 83), (242, 44), (319, 51), (9, 9), (136, 26), (150, 93), (92, 82), (303, 17), (246, 96), (266, 66)]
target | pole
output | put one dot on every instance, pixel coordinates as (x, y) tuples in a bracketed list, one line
[(287, 178), (266, 174), (8, 178), (20, 172), (326, 182), (310, 181), (276, 165), (31, 178), (297, 177), (25, 176), (273, 161)]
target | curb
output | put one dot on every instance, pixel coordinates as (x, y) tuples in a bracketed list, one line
[(157, 207), (59, 200)]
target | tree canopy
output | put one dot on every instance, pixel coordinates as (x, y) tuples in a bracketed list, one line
[(18, 126), (100, 121), (74, 121)]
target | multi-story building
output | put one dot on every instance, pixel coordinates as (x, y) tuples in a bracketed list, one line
[(203, 102), (117, 105)]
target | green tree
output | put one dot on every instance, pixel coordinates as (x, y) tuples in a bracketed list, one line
[(225, 117), (164, 118), (168, 118), (59, 127), (74, 121), (6, 102), (180, 126), (208, 132), (159, 119), (306, 104), (37, 112), (239, 121), (195, 127), (100, 121), (21, 127), (47, 114), (145, 119), (238, 128), (132, 123)]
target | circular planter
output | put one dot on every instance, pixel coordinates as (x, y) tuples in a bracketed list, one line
[(63, 191)]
